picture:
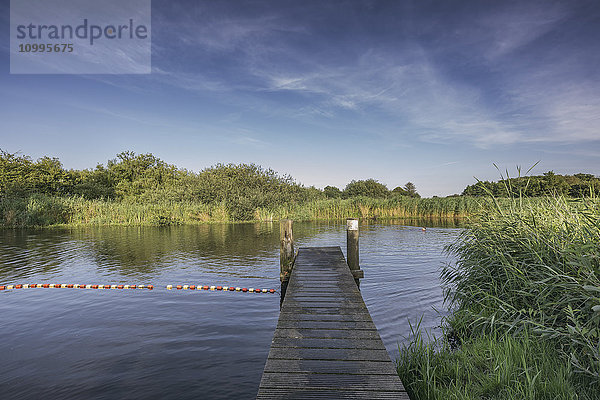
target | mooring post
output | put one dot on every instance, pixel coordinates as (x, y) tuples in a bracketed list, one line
[(352, 248), (286, 253)]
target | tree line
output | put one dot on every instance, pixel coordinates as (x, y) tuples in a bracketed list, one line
[(549, 183), (145, 177)]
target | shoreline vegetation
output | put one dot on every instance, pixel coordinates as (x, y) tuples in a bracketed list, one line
[(524, 300), (141, 189)]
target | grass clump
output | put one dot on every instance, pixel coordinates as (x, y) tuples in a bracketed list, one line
[(492, 366)]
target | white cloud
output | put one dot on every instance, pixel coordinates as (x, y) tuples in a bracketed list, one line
[(517, 25)]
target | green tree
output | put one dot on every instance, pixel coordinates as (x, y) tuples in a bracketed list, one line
[(20, 176), (548, 183), (332, 192), (132, 175), (94, 184), (369, 188), (400, 190), (245, 187), (411, 189)]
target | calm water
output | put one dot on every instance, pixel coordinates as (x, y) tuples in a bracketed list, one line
[(140, 344)]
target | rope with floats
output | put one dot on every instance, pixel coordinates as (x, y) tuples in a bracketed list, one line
[(148, 287)]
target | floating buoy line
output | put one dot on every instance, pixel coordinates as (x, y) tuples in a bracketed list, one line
[(148, 287), (223, 288)]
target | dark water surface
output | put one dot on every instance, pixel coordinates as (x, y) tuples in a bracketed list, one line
[(160, 344)]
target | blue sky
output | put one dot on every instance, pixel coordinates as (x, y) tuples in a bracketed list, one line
[(432, 92)]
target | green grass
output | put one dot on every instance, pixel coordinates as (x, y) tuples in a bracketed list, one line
[(490, 366), (524, 294)]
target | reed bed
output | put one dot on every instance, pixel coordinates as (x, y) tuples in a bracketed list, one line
[(526, 272), (379, 208), (44, 210), (41, 210)]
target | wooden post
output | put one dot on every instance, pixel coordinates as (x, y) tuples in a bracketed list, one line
[(352, 248), (286, 253)]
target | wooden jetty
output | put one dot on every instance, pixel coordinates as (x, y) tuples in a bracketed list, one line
[(326, 345)]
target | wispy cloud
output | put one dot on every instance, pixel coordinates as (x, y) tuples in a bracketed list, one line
[(514, 26), (247, 140)]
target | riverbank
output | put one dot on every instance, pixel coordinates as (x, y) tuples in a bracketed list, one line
[(43, 210), (525, 308)]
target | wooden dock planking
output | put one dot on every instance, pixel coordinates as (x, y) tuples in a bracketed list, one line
[(326, 345)]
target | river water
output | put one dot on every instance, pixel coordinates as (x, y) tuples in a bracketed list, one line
[(161, 344)]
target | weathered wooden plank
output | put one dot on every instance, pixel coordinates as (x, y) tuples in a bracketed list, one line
[(331, 381), (326, 295), (323, 297), (326, 310), (323, 286), (306, 394), (324, 270), (327, 333), (341, 309), (327, 325), (330, 343), (310, 274), (342, 303), (315, 287), (299, 353), (326, 366), (324, 302), (339, 281), (343, 293), (308, 277), (324, 317), (345, 285)]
